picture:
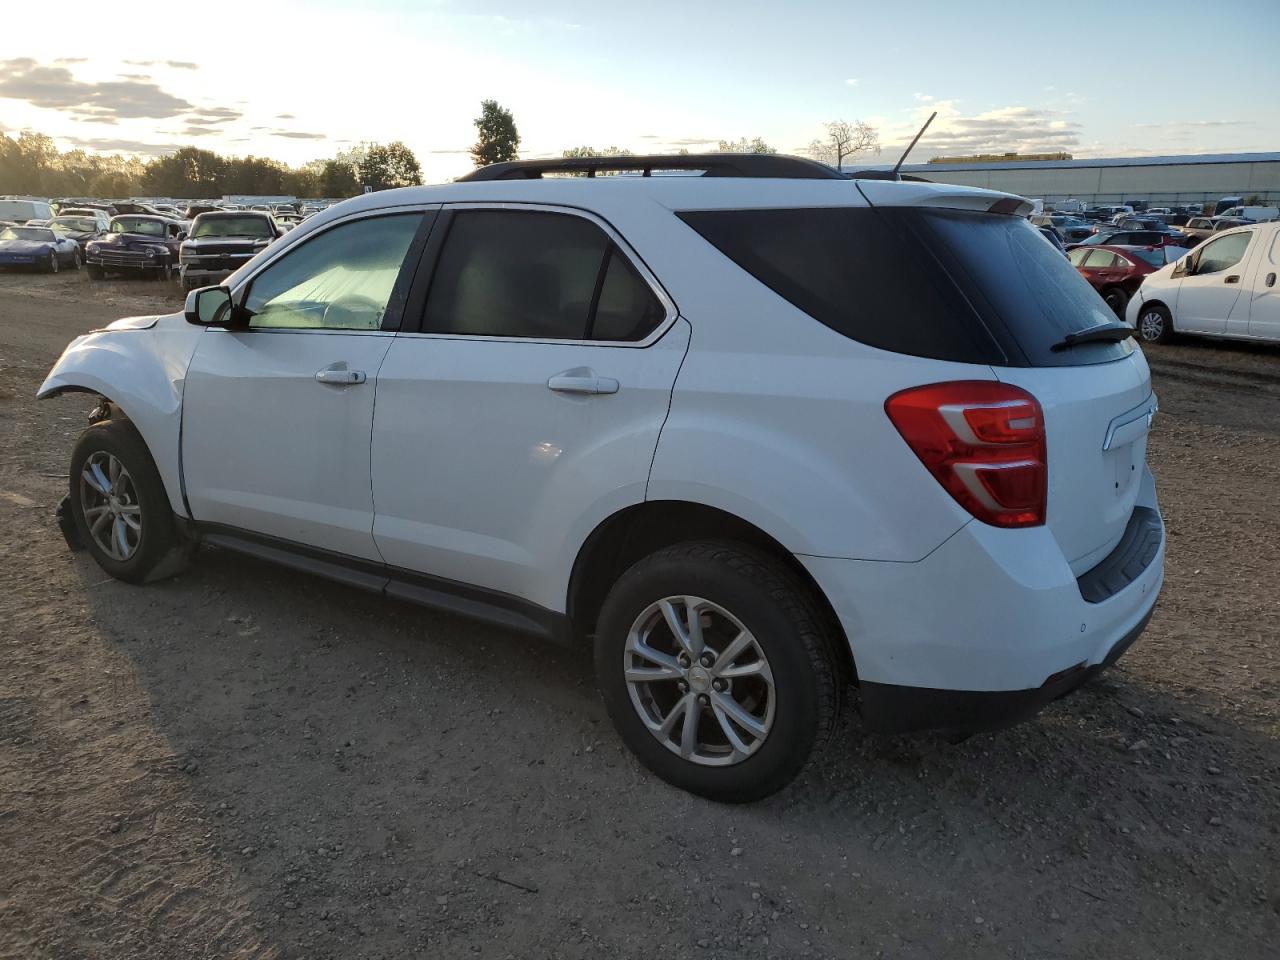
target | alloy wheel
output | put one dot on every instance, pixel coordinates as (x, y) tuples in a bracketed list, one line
[(109, 501), (54, 265), (1151, 325), (699, 681)]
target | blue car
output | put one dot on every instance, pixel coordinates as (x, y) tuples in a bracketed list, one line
[(38, 247)]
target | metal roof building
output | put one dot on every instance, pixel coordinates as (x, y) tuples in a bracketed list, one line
[(1167, 179)]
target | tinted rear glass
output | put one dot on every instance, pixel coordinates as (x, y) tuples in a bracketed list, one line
[(858, 272), (950, 285)]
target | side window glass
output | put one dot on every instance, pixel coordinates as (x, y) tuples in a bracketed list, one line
[(627, 308), (1077, 256), (511, 273), (341, 279), (1099, 258), (1222, 253)]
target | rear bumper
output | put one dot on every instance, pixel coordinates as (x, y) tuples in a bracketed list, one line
[(890, 708), (993, 624)]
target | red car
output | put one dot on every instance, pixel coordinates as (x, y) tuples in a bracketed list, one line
[(1115, 272)]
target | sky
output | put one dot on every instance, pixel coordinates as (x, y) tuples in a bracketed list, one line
[(298, 81)]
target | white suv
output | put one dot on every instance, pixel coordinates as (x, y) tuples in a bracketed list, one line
[(759, 435)]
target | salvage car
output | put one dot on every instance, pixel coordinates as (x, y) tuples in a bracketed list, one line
[(80, 229), (38, 247), (1115, 272), (1225, 288), (221, 243), (136, 244), (663, 419)]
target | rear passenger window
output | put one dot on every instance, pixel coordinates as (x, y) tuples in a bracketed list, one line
[(1100, 258), (536, 275)]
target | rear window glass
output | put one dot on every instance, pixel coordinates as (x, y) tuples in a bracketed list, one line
[(950, 285), (858, 272)]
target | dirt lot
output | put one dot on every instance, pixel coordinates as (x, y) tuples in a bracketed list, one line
[(245, 762)]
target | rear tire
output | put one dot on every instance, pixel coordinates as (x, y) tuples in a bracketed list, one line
[(1117, 300), (54, 264), (1155, 325), (754, 725), (119, 504), (76, 261)]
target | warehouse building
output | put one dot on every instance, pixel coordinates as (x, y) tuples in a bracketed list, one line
[(1200, 178)]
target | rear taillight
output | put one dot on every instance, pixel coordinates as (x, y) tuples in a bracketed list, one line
[(984, 442)]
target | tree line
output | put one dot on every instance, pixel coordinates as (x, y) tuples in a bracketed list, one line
[(32, 164)]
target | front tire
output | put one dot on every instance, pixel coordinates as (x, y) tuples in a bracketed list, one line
[(715, 669), (1155, 325), (54, 264), (119, 503)]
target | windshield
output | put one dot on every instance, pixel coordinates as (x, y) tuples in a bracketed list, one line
[(140, 225), (75, 224), (27, 233), (256, 227)]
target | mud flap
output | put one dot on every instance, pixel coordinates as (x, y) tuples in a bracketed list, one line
[(67, 524)]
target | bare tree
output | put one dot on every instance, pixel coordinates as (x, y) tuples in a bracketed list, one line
[(844, 139), (743, 145)]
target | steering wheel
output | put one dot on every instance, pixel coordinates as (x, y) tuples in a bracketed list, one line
[(353, 312)]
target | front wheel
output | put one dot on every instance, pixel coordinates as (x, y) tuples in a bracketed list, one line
[(53, 265), (1154, 324), (715, 669), (119, 504)]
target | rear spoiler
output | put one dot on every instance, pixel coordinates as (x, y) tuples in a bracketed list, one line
[(883, 193)]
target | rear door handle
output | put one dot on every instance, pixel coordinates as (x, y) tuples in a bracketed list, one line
[(582, 384), (339, 375), (1234, 278), (1271, 280)]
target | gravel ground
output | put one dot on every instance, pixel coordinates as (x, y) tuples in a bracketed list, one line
[(247, 762)]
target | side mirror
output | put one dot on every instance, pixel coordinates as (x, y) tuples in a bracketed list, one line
[(182, 235), (209, 307)]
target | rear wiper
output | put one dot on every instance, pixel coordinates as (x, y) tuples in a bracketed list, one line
[(1102, 333)]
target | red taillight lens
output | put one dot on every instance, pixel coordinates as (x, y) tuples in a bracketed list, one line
[(984, 442)]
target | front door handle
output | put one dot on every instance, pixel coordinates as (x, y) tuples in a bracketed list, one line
[(1271, 280), (1234, 278), (339, 375), (582, 384)]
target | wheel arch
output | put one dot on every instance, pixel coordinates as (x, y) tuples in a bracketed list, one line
[(136, 384), (1158, 302), (638, 530)]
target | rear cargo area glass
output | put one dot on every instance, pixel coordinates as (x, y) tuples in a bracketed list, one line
[(948, 285)]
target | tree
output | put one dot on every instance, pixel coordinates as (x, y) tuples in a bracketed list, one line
[(843, 140), (743, 145), (577, 152), (385, 168), (189, 172), (498, 138), (338, 179)]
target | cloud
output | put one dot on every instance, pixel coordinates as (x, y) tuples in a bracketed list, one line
[(198, 132), (923, 97), (56, 89), (851, 82), (435, 151), (175, 64), (299, 135), (127, 146), (1197, 123), (285, 116), (692, 141), (206, 116), (1013, 129)]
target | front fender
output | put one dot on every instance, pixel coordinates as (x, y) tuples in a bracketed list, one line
[(141, 368)]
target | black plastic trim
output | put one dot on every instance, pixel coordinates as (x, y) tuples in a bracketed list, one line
[(747, 165), (1136, 550), (892, 708), (476, 603)]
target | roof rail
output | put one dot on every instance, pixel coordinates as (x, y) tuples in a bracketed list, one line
[(750, 165), (885, 175)]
